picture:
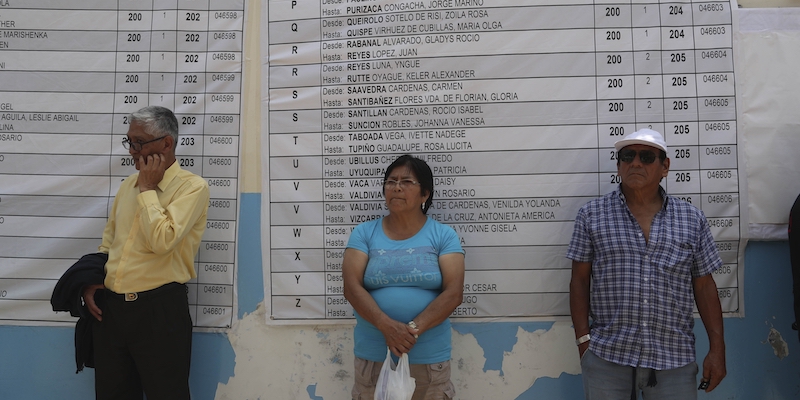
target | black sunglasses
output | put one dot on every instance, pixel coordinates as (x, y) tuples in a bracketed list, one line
[(645, 156)]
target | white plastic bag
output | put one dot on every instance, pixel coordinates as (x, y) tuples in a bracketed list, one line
[(395, 381)]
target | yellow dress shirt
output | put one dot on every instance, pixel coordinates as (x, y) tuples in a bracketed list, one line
[(152, 237)]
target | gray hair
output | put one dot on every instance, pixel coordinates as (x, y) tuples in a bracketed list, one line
[(156, 121)]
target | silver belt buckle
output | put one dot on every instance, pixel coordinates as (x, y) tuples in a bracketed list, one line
[(131, 296)]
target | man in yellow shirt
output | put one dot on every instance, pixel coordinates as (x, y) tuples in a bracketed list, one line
[(143, 333)]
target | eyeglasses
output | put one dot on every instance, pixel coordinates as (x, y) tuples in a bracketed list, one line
[(403, 183), (645, 156), (137, 146)]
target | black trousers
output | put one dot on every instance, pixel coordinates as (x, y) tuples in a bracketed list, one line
[(143, 346), (794, 254)]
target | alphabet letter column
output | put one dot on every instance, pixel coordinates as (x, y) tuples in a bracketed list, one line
[(297, 273)]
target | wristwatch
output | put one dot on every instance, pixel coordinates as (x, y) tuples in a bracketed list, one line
[(583, 339), (413, 325)]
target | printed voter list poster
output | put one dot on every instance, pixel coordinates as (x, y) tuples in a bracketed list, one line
[(72, 72), (515, 105)]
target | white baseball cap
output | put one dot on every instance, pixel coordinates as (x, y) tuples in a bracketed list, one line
[(644, 136)]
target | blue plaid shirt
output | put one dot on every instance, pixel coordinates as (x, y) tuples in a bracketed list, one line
[(642, 295)]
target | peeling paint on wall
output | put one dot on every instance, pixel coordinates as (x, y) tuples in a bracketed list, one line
[(316, 361), (779, 346), (288, 362), (537, 354)]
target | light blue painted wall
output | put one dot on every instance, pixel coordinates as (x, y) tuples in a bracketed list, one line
[(38, 362)]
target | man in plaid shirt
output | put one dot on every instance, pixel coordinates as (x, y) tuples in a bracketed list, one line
[(646, 257)]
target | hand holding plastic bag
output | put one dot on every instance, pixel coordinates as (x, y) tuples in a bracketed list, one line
[(395, 381)]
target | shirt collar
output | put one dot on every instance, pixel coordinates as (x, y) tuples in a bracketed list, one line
[(661, 192), (169, 175)]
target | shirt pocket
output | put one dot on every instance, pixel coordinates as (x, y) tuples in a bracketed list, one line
[(677, 260)]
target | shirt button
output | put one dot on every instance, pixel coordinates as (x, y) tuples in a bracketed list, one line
[(645, 301), (644, 323), (640, 233)]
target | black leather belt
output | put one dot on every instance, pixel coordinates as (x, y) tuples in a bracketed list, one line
[(134, 296)]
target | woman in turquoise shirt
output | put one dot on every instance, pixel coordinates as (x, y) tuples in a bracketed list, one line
[(404, 276)]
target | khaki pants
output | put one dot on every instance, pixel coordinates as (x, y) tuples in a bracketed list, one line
[(433, 380)]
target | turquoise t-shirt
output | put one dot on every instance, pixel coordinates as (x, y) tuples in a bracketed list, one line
[(403, 277)]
